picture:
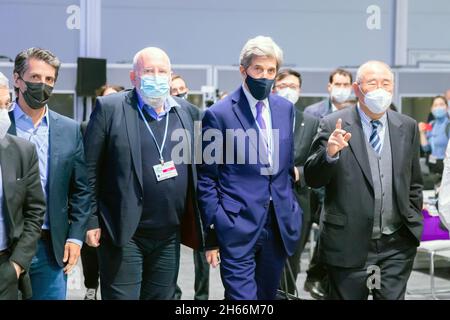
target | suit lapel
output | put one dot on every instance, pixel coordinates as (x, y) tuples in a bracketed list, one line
[(397, 137), (186, 123), (8, 164), (131, 114), (54, 144), (358, 144), (242, 110), (299, 130)]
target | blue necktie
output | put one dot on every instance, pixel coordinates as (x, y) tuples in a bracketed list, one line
[(375, 140)]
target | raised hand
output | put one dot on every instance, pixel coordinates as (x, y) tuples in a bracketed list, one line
[(338, 140)]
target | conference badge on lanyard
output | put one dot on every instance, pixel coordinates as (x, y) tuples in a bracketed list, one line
[(165, 171)]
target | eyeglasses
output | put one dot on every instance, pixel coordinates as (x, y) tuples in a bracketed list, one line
[(286, 85)]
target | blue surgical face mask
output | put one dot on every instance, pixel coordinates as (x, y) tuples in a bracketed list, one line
[(154, 86), (439, 113), (259, 88)]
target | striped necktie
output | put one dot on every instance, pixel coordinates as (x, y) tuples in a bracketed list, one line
[(375, 140)]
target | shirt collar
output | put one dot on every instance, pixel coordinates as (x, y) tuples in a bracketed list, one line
[(251, 100), (366, 119), (19, 114), (168, 105)]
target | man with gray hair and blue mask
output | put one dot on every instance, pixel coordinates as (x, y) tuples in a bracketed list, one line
[(367, 158), (23, 205), (249, 210), (144, 197)]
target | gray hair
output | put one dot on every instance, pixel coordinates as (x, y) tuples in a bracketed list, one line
[(371, 63), (262, 47), (149, 51), (21, 61), (4, 82)]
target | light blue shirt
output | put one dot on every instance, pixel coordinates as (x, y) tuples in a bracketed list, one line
[(367, 126), (168, 104), (3, 230), (437, 138), (39, 136)]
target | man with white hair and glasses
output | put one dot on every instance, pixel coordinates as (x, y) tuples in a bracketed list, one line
[(367, 158)]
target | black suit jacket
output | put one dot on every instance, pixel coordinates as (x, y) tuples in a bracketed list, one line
[(113, 155), (347, 221), (304, 132), (23, 203)]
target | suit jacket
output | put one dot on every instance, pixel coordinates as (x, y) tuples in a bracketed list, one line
[(67, 182), (23, 203), (113, 155), (319, 109), (347, 220), (235, 197), (304, 132)]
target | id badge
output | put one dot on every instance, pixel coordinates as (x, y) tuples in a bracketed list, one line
[(165, 171), (432, 159)]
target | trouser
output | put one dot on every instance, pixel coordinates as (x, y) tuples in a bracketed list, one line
[(256, 276), (89, 259), (144, 269), (9, 288), (386, 272), (201, 284), (48, 280)]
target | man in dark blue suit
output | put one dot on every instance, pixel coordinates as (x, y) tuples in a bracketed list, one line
[(62, 167), (247, 203)]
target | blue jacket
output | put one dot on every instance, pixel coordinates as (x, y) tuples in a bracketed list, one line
[(235, 197)]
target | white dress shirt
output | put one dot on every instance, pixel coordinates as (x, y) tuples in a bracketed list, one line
[(266, 114)]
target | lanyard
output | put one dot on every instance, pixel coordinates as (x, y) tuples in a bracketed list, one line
[(160, 150)]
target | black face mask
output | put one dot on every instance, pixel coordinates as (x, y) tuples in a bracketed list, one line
[(259, 88), (37, 94), (182, 95)]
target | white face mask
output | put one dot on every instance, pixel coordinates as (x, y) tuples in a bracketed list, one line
[(340, 95), (378, 101), (5, 122), (289, 94)]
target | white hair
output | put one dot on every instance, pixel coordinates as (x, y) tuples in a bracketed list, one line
[(149, 51), (4, 82), (371, 63), (260, 46)]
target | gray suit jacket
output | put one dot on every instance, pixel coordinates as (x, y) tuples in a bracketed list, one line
[(23, 203), (347, 220)]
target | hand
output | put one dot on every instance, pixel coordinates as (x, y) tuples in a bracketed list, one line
[(422, 127), (213, 257), (17, 268), (297, 174), (338, 140), (71, 255), (93, 237)]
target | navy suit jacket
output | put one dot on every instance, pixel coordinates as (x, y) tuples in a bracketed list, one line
[(235, 197), (67, 185)]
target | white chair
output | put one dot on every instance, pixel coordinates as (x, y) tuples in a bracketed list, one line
[(440, 248)]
